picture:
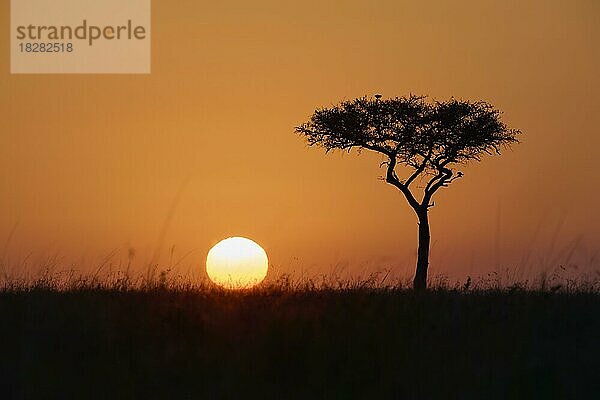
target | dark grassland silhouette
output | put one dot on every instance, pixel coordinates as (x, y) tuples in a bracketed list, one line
[(430, 138), (296, 340)]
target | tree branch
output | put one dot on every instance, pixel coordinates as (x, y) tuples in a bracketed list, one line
[(392, 178), (420, 169), (444, 177)]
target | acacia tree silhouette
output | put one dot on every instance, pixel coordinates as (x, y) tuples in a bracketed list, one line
[(431, 138)]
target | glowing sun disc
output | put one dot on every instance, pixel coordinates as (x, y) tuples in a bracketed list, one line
[(237, 263)]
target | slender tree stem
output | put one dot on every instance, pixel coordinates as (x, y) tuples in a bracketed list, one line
[(420, 281)]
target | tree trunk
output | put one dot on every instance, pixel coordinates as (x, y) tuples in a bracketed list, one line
[(420, 281)]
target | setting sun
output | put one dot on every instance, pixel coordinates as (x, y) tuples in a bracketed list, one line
[(237, 263)]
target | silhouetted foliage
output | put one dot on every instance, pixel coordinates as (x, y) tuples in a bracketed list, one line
[(431, 138)]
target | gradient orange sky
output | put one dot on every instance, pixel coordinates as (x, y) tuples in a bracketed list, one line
[(91, 164)]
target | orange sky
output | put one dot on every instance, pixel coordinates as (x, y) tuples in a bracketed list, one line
[(93, 163)]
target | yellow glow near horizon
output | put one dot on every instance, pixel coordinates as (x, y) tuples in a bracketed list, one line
[(237, 263)]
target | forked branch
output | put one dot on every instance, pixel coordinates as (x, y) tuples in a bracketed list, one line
[(392, 178)]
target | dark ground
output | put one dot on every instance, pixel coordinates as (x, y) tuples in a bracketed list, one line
[(313, 344)]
